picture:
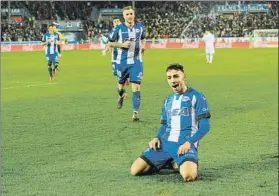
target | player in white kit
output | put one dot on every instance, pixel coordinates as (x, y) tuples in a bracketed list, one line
[(103, 41), (209, 39)]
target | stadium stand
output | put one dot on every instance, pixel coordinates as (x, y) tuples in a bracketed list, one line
[(161, 19)]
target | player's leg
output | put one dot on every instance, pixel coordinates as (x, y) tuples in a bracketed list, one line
[(59, 51), (189, 171), (210, 58), (150, 161), (56, 63), (207, 55), (211, 53), (136, 74), (207, 58), (136, 98), (114, 72), (49, 64), (125, 87), (122, 75), (103, 46), (140, 166), (187, 163)]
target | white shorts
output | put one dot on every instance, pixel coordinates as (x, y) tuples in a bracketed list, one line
[(209, 50)]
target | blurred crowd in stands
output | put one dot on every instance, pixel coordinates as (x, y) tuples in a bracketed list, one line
[(165, 19)]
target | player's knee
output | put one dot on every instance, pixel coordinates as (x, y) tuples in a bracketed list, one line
[(189, 176), (139, 167), (135, 170), (135, 87)]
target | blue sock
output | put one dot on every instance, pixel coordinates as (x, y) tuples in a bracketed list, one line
[(50, 71), (121, 92), (136, 101)]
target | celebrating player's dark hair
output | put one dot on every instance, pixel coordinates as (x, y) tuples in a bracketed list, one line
[(175, 66)]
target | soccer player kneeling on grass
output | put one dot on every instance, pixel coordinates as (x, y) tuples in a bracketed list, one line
[(185, 120)]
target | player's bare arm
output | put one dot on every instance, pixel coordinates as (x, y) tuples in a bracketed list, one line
[(126, 44)]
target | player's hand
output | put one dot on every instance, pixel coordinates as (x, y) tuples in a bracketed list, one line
[(107, 49), (184, 148), (155, 144), (126, 44)]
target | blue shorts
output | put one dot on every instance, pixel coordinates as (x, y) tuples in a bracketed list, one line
[(52, 59), (114, 71), (134, 72), (168, 152)]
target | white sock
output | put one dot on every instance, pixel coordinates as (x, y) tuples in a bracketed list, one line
[(210, 58), (207, 57)]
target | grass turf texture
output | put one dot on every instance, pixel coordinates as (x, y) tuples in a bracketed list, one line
[(68, 138)]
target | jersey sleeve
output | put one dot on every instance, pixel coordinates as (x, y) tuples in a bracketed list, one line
[(202, 110), (114, 35), (44, 38)]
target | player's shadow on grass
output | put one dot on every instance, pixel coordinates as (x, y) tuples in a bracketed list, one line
[(170, 175), (221, 171)]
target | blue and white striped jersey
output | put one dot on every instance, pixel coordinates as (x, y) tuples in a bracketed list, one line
[(51, 48), (114, 51), (181, 113), (122, 33)]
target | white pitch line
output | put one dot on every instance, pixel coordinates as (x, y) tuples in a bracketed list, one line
[(21, 82), (30, 85)]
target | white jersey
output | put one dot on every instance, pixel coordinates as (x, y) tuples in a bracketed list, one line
[(209, 39)]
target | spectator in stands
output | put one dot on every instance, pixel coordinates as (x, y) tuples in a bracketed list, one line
[(165, 18)]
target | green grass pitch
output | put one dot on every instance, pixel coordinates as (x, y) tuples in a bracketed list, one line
[(67, 137)]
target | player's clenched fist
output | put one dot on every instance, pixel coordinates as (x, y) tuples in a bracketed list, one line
[(155, 144), (126, 44)]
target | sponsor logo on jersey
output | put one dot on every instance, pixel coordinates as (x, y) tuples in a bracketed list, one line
[(185, 98)]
